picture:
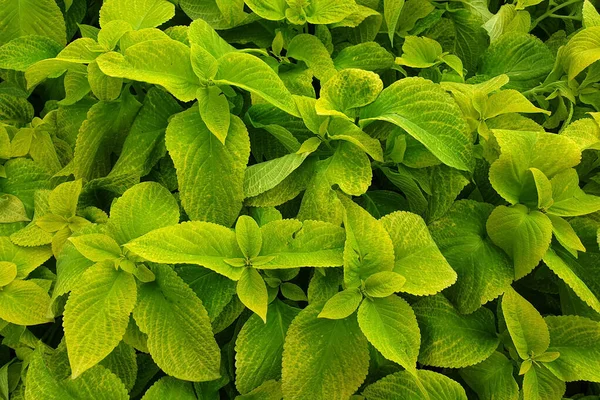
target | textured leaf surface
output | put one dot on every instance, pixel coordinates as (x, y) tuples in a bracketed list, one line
[(404, 385)]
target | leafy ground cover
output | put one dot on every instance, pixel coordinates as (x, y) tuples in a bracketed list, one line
[(299, 199)]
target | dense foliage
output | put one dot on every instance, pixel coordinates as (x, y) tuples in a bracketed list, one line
[(299, 199)]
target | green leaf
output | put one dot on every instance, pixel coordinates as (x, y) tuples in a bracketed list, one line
[(347, 91), (63, 199), (520, 151), (416, 256), (269, 390), (22, 52), (273, 10), (97, 314), (95, 384), (24, 303), (368, 247), (484, 271), (97, 247), (8, 272), (369, 56), (590, 15), (342, 305), (168, 388), (564, 233), (168, 308), (523, 235), (539, 383), (312, 51), (252, 291), (214, 110), (139, 13), (143, 208), (160, 62), (259, 347), (384, 284), (391, 326), (210, 174), (27, 259), (492, 378), (581, 51), (453, 340), (122, 361), (578, 273), (341, 129), (104, 87), (569, 199), (439, 125), (251, 73), (12, 209), (323, 356), (201, 243), (391, 13), (24, 17), (248, 236), (408, 386), (525, 324), (575, 339), (292, 292), (522, 57), (300, 244), (200, 33), (419, 52)]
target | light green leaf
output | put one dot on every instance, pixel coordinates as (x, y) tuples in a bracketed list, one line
[(273, 10), (27, 259), (391, 326), (24, 303), (323, 356), (210, 174), (453, 340), (196, 242), (484, 271), (23, 17), (251, 73), (569, 199), (369, 56), (408, 386), (252, 291), (249, 238), (8, 272), (103, 86), (95, 384), (302, 244), (293, 292), (525, 325), (541, 384), (322, 12), (143, 208), (168, 308), (520, 151), (342, 305), (590, 15), (509, 101), (578, 273), (419, 52), (391, 13), (214, 110), (525, 59), (97, 314), (492, 379), (161, 62), (368, 247), (259, 347), (12, 209), (575, 338), (312, 51), (97, 247), (122, 361), (342, 129), (22, 52), (416, 255), (427, 114), (64, 198), (168, 388), (384, 284), (347, 91), (523, 235), (564, 233), (139, 13), (269, 390), (202, 34), (582, 50)]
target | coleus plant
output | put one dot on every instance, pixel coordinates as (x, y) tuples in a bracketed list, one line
[(316, 199)]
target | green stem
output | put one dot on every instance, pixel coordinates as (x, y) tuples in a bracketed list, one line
[(552, 11)]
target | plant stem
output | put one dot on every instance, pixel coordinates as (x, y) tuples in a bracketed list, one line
[(552, 11)]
